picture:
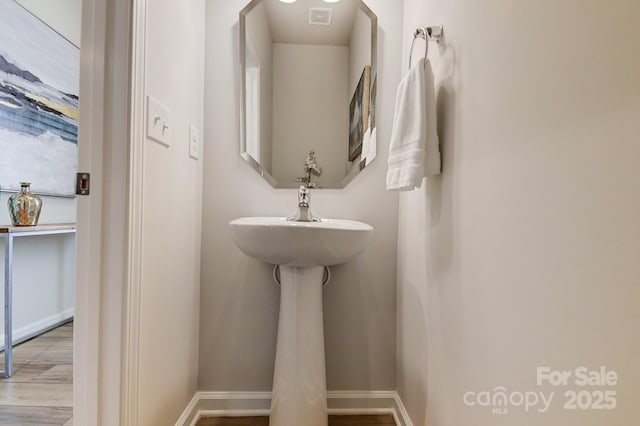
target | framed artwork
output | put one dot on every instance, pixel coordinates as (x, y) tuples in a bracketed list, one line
[(359, 114), (39, 85)]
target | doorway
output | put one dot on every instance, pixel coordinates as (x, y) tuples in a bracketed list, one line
[(39, 87)]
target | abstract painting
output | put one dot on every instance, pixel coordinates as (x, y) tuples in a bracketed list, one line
[(39, 82), (359, 114)]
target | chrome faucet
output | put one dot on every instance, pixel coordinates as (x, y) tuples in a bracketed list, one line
[(304, 214), (304, 196)]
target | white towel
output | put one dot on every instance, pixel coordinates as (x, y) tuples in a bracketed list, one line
[(372, 146), (366, 142), (414, 149)]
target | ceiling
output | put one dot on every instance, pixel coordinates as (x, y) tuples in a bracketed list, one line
[(289, 22)]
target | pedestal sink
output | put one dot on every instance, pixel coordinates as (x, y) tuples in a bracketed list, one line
[(302, 249)]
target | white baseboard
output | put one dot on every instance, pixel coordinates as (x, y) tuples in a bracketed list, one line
[(37, 327), (233, 404), (401, 411)]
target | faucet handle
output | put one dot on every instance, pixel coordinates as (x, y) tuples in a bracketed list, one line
[(304, 196), (304, 214)]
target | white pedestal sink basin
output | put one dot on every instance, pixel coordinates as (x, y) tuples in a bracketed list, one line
[(283, 242), (302, 249)]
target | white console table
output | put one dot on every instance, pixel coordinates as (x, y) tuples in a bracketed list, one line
[(9, 233)]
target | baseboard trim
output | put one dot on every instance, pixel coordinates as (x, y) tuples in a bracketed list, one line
[(38, 327), (401, 411), (235, 404)]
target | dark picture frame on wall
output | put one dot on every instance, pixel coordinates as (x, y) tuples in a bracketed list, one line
[(359, 114)]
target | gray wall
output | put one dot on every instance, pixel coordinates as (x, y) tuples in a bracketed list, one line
[(310, 111), (172, 215), (524, 253), (62, 15), (238, 301)]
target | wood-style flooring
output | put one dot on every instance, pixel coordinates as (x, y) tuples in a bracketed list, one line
[(40, 392), (386, 420)]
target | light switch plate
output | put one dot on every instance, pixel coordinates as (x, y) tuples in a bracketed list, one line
[(158, 122), (194, 142)]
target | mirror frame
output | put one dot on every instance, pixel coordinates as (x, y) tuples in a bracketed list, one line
[(242, 48)]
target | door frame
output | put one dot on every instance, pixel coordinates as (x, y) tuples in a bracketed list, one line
[(86, 353), (131, 335), (108, 241)]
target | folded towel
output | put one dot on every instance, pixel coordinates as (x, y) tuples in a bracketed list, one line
[(366, 144), (414, 148), (372, 146)]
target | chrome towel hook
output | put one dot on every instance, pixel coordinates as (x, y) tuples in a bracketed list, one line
[(428, 34)]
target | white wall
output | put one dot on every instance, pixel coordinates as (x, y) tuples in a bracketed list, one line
[(62, 15), (309, 111), (524, 252), (238, 300), (43, 283), (359, 50), (172, 207), (44, 267)]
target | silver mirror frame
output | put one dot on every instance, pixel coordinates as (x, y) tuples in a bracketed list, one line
[(243, 95), (243, 90)]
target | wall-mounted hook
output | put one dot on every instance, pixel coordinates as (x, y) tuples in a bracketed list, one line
[(433, 33)]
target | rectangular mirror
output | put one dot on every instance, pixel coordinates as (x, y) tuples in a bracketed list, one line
[(308, 86)]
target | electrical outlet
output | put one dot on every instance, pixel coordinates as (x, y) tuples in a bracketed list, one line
[(158, 122), (194, 142)]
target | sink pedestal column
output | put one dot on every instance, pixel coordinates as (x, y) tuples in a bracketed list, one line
[(299, 395)]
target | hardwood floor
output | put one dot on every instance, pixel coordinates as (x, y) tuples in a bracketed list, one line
[(40, 392), (386, 420)]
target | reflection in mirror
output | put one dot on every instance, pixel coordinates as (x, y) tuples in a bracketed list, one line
[(308, 84)]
